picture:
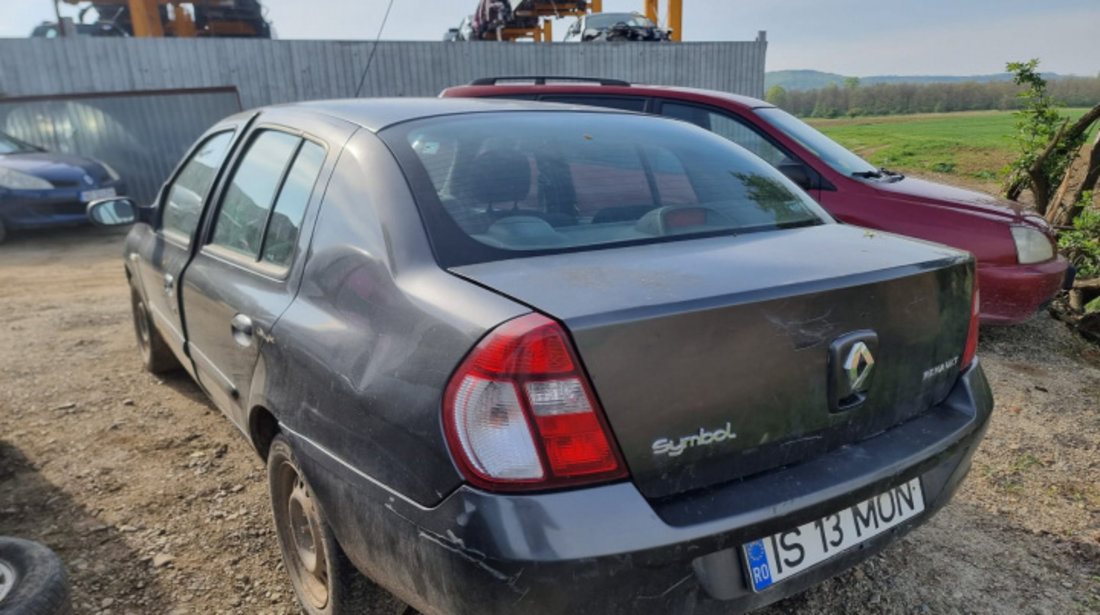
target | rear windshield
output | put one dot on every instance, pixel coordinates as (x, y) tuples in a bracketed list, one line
[(502, 185), (600, 21)]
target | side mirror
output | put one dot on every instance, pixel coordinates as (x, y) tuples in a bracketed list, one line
[(115, 211), (797, 173)]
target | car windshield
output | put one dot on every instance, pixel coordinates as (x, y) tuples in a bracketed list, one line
[(599, 21), (11, 145), (495, 186), (830, 152)]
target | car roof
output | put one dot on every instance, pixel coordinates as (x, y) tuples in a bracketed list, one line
[(506, 87), (375, 114)]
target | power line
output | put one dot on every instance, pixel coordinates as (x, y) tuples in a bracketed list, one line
[(370, 58)]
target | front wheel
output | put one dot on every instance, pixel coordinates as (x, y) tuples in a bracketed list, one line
[(325, 582)]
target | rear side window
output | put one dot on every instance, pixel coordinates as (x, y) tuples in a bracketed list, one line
[(612, 102), (495, 186), (262, 210), (290, 207), (729, 127), (188, 191)]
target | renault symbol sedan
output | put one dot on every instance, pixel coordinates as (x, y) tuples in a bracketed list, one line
[(509, 357)]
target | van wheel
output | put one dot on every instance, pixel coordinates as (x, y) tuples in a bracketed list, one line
[(325, 582), (156, 356), (32, 579)]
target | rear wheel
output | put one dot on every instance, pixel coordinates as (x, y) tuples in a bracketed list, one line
[(155, 353), (32, 579), (325, 582)]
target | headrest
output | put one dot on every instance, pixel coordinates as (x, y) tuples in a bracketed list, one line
[(499, 176)]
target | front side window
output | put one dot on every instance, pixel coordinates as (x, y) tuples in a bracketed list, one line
[(729, 127), (830, 152), (188, 191), (494, 186)]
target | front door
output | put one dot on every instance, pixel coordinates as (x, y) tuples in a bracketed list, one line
[(166, 252)]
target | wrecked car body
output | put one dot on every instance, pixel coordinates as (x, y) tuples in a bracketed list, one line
[(509, 357)]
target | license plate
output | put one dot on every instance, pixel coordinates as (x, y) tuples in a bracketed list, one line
[(101, 193), (774, 558)]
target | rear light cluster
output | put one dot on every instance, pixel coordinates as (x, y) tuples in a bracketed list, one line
[(519, 412), (972, 334)]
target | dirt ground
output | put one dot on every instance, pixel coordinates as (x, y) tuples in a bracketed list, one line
[(157, 505)]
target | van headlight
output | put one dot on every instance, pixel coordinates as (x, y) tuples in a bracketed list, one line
[(1032, 245), (16, 180)]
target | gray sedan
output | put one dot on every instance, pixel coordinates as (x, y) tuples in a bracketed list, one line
[(506, 357)]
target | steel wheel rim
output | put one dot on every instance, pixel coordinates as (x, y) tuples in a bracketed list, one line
[(141, 324), (7, 579), (304, 546)]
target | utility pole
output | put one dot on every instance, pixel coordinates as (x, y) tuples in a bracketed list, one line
[(57, 11)]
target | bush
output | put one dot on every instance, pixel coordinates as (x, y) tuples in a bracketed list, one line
[(1082, 244)]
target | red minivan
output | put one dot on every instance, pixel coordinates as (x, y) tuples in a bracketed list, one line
[(1019, 269)]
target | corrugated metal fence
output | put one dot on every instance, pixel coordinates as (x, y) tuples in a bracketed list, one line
[(266, 71), (141, 134)]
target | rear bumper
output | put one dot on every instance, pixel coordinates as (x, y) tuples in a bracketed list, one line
[(607, 549), (1014, 293)]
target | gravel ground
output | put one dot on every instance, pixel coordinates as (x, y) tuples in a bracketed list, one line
[(157, 505)]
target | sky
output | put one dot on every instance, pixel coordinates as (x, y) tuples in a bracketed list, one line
[(858, 38)]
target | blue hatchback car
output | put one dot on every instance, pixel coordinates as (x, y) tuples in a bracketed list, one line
[(41, 189)]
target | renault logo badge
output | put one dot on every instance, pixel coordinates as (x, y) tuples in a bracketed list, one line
[(851, 369), (858, 366)]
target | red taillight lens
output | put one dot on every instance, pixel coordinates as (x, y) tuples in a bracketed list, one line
[(519, 412), (972, 335)]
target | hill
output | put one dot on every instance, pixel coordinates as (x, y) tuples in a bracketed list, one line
[(794, 80)]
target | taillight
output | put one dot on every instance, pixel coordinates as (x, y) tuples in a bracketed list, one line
[(972, 335), (519, 412)]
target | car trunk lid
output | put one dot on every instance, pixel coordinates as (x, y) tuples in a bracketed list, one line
[(711, 357)]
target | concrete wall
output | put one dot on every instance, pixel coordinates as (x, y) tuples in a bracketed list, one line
[(266, 72)]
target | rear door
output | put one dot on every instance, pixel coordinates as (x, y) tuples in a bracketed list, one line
[(245, 274), (165, 252)]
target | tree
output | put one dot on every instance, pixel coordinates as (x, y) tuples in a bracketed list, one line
[(777, 96), (1048, 146)]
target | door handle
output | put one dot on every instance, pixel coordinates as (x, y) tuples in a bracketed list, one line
[(168, 283), (241, 326)]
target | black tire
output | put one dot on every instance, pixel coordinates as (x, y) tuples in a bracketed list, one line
[(156, 356), (3, 232), (324, 581), (32, 580)]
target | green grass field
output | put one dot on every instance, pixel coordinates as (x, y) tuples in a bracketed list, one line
[(975, 143)]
